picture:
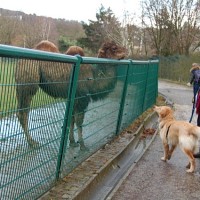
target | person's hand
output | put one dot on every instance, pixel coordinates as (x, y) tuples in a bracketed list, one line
[(188, 84)]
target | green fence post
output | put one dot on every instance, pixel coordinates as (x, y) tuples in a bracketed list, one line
[(157, 68), (123, 98), (145, 92), (68, 113), (156, 65)]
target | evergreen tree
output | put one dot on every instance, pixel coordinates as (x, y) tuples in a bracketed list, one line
[(107, 27)]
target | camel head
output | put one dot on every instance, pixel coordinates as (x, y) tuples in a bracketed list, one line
[(112, 50), (45, 45), (73, 50)]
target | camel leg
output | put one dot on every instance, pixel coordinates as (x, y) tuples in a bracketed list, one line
[(192, 163), (71, 134), (24, 100), (23, 119), (79, 122)]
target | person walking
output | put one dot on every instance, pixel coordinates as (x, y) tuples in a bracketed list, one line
[(195, 80), (197, 155)]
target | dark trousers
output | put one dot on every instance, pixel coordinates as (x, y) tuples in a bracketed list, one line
[(195, 89), (198, 120)]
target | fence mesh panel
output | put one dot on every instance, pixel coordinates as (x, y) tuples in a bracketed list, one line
[(42, 97), (25, 170)]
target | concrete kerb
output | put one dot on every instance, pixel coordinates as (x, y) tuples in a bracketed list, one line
[(109, 197), (130, 169), (167, 101), (83, 192)]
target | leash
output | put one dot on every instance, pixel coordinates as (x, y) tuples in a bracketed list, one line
[(193, 108)]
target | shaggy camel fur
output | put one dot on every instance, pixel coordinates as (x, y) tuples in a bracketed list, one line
[(32, 75), (73, 50)]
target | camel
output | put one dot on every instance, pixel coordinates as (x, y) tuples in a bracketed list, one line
[(53, 78), (74, 50)]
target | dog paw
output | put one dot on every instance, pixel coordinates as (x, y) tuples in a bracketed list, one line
[(164, 159), (189, 170), (188, 166), (169, 157)]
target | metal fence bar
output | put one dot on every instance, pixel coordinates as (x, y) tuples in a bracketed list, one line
[(123, 97), (68, 113), (17, 52), (152, 82), (145, 91)]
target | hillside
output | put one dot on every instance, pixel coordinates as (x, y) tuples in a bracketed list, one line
[(21, 29)]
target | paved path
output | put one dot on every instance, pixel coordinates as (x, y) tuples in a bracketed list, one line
[(153, 179), (181, 96)]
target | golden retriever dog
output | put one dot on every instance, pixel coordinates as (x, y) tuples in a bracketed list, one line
[(181, 133)]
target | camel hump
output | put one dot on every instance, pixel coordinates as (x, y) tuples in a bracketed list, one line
[(73, 50), (112, 50), (45, 45)]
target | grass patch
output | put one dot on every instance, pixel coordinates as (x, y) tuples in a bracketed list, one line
[(8, 101)]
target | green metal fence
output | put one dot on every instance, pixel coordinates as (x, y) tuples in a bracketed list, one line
[(42, 94)]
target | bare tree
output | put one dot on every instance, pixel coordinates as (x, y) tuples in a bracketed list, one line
[(20, 29), (35, 29), (132, 37), (171, 24), (8, 27)]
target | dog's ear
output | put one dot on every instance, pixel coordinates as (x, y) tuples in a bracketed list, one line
[(165, 112), (155, 108)]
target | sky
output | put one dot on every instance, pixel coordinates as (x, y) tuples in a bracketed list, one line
[(79, 10)]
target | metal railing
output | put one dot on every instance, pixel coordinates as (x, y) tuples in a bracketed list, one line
[(41, 96)]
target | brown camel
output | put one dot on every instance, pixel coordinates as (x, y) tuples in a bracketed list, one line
[(73, 50), (32, 75)]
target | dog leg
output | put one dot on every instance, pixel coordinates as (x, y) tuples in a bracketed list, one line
[(191, 160), (188, 166), (171, 151), (166, 152)]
